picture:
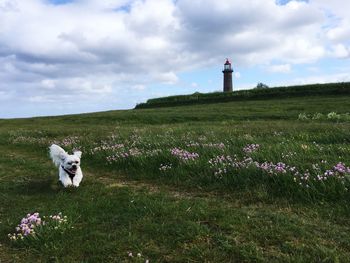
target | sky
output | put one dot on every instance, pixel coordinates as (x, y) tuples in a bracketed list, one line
[(74, 56)]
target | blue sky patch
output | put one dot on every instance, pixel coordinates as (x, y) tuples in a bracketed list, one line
[(60, 2), (283, 2)]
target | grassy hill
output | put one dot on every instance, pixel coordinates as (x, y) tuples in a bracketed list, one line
[(242, 181), (329, 89)]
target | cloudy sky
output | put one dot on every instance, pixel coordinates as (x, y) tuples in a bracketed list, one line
[(72, 56)]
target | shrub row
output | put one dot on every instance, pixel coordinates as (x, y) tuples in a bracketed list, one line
[(253, 94)]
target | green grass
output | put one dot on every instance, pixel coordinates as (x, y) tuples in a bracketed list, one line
[(185, 213)]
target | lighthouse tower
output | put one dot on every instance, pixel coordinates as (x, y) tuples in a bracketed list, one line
[(227, 76)]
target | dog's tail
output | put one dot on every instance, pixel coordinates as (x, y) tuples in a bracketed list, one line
[(57, 154)]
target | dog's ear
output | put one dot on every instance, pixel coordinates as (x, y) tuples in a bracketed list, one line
[(77, 153), (62, 156)]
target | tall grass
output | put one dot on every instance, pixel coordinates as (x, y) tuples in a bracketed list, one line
[(287, 162)]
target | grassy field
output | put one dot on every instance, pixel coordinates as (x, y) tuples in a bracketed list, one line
[(243, 181)]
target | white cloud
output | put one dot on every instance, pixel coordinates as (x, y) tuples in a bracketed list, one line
[(283, 68), (324, 78), (5, 95), (138, 87), (341, 51), (166, 78), (39, 99), (337, 28), (93, 47), (253, 33), (339, 33), (48, 83)]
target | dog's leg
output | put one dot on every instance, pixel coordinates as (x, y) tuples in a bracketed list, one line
[(66, 181), (77, 179)]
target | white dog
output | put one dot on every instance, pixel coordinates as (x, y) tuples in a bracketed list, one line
[(70, 173)]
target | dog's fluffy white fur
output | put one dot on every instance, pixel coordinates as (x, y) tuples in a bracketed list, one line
[(70, 173)]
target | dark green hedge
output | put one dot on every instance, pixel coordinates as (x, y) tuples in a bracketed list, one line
[(277, 92)]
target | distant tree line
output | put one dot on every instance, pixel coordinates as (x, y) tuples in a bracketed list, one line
[(261, 86)]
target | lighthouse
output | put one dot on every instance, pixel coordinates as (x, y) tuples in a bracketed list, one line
[(227, 76)]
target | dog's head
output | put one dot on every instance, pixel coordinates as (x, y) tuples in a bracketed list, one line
[(60, 157), (71, 162)]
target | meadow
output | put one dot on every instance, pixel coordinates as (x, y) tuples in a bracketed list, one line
[(242, 181)]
